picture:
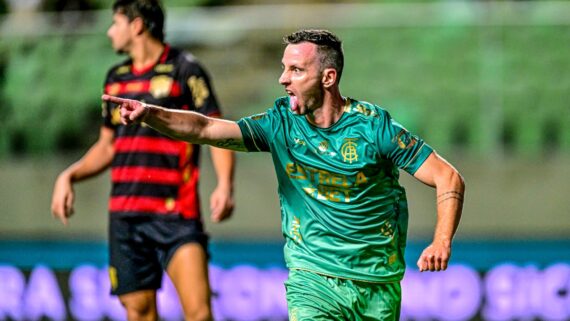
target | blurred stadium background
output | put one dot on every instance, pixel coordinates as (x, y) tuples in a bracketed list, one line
[(485, 83)]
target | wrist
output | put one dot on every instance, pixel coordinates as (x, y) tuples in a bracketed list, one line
[(226, 186), (443, 241), (146, 111)]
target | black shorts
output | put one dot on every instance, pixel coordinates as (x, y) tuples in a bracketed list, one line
[(141, 247)]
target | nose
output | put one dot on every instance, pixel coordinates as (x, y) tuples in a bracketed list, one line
[(284, 79)]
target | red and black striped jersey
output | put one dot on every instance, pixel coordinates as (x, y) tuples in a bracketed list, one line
[(151, 173)]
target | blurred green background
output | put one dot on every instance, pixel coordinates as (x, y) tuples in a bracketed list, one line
[(486, 83)]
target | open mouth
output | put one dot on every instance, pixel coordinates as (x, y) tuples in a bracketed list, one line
[(293, 101)]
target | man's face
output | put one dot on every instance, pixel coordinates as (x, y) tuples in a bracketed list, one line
[(302, 77), (120, 33)]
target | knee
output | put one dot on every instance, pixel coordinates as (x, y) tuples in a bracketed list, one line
[(198, 314), (139, 308)]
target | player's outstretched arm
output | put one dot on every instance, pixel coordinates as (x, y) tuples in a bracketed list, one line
[(450, 189), (184, 125)]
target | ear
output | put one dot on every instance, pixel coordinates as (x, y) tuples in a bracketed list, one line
[(329, 77), (137, 26)]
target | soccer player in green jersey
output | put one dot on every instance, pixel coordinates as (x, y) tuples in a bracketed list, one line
[(344, 214)]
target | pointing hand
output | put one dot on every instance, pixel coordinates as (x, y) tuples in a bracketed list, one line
[(132, 111)]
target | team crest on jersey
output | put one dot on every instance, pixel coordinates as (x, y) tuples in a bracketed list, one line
[(405, 139), (348, 150), (200, 91), (160, 86)]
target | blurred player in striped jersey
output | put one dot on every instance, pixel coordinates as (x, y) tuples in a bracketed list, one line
[(155, 220)]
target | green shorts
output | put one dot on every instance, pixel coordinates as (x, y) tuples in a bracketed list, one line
[(313, 297)]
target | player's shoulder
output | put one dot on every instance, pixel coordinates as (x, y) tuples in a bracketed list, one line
[(183, 57), (366, 110), (121, 68)]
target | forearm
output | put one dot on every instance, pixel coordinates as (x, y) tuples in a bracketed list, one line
[(224, 165), (183, 125), (96, 160), (450, 193), (179, 124)]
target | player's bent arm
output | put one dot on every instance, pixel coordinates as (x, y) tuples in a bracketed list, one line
[(195, 128), (97, 159), (450, 190), (221, 199)]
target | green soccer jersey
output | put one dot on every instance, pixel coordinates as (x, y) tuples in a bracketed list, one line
[(343, 212)]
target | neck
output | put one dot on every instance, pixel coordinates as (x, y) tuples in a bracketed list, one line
[(146, 52), (330, 111)]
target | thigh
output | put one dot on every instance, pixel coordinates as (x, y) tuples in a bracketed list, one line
[(377, 301), (134, 264), (188, 270), (312, 296), (184, 256)]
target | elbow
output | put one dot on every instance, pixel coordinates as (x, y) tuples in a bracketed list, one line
[(450, 179), (458, 181)]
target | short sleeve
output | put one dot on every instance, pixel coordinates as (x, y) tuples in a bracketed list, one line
[(405, 150), (259, 130), (200, 91), (108, 110)]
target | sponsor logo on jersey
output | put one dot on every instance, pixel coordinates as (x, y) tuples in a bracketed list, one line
[(293, 315), (163, 68), (366, 111), (405, 139), (387, 229), (323, 146), (123, 70), (160, 86), (200, 91), (295, 230), (348, 150), (116, 116)]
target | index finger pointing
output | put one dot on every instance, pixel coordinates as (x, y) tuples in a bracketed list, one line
[(113, 99)]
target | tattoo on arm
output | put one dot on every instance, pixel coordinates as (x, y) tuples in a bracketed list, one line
[(450, 195), (230, 143)]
